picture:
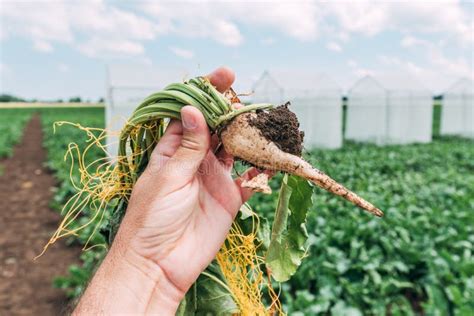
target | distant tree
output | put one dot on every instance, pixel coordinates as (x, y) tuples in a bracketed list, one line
[(59, 101), (10, 98), (101, 100), (75, 100)]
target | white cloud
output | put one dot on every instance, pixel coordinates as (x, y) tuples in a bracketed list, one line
[(433, 54), (39, 21), (111, 30), (220, 20), (97, 17), (335, 47), (63, 67), (181, 52), (370, 18), (358, 71), (351, 63), (400, 65), (4, 74), (42, 46), (439, 72), (3, 68), (227, 33), (100, 47), (267, 41), (364, 17), (179, 18), (410, 41), (459, 67), (297, 19), (125, 29)]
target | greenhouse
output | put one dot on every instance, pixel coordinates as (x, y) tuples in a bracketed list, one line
[(458, 109), (315, 98), (267, 90), (127, 86), (396, 109), (319, 110)]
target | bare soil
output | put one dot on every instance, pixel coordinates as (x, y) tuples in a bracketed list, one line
[(26, 223), (280, 126)]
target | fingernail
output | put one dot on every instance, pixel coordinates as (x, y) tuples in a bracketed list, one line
[(189, 122)]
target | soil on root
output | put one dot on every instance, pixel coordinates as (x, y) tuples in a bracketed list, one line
[(280, 126), (27, 222)]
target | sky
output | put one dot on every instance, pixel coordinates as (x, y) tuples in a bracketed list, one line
[(58, 49)]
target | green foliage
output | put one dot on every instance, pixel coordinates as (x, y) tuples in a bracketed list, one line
[(437, 108), (288, 237), (75, 100), (10, 98), (78, 277), (208, 296), (12, 122), (420, 253)]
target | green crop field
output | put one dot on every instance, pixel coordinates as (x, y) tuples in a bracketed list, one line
[(419, 257), (12, 122)]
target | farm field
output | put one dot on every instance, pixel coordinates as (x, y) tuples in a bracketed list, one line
[(12, 122), (26, 189), (417, 259)]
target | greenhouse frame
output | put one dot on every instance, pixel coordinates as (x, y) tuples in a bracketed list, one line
[(315, 98), (127, 86), (319, 110), (396, 109), (267, 90), (457, 116)]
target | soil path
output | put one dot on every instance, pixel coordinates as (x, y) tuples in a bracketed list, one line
[(26, 222)]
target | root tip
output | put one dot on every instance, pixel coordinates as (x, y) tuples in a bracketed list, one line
[(377, 212)]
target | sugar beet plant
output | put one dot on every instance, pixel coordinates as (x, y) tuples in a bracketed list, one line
[(267, 137)]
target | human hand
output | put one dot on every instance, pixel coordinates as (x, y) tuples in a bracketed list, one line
[(179, 214)]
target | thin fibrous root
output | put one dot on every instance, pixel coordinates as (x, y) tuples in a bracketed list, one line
[(259, 183)]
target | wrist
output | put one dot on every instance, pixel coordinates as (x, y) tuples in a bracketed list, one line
[(128, 283)]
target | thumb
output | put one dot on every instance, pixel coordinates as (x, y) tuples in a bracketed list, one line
[(195, 144)]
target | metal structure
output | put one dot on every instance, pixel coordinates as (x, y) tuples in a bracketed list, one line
[(319, 110), (267, 90), (457, 115), (366, 112), (315, 99), (127, 86), (396, 109)]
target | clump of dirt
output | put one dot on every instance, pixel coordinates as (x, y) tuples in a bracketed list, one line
[(280, 126)]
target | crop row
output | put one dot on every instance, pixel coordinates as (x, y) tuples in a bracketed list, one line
[(12, 122), (419, 256)]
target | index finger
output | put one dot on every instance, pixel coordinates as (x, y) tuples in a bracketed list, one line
[(222, 78)]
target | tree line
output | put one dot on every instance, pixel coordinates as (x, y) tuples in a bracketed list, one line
[(75, 99)]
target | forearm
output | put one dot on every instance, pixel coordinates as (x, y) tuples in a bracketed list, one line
[(126, 283)]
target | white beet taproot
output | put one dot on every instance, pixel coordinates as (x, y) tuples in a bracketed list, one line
[(245, 141)]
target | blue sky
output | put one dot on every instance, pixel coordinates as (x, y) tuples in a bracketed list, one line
[(57, 49)]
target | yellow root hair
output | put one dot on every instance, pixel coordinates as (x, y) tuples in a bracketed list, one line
[(240, 264)]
